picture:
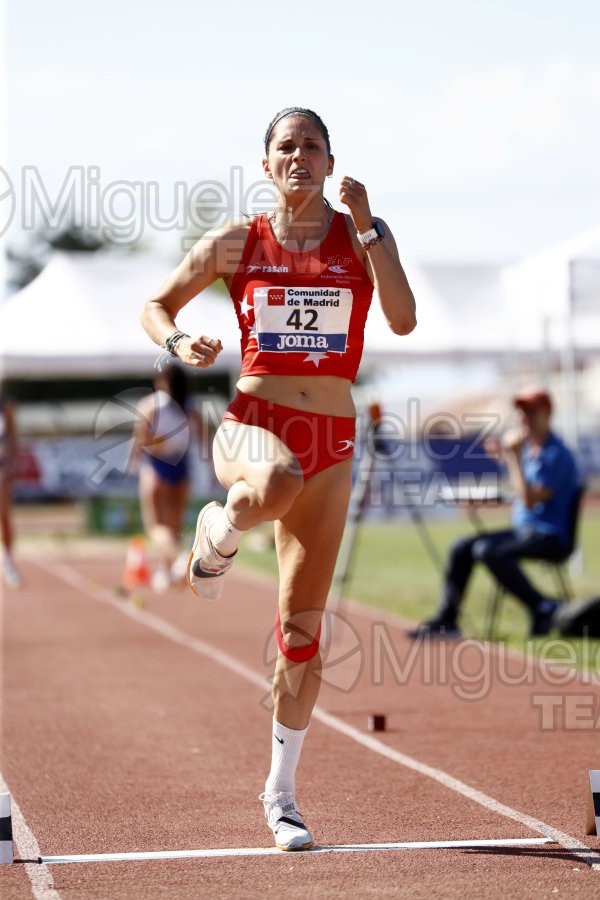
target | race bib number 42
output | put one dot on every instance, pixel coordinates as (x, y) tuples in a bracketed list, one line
[(296, 319)]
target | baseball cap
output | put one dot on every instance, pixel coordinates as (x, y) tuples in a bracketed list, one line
[(533, 397)]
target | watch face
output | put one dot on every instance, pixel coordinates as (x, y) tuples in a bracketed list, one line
[(379, 229)]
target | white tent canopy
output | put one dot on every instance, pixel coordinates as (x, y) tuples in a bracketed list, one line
[(556, 290), (81, 317), (460, 315)]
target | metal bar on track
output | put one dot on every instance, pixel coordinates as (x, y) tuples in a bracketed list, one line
[(273, 851)]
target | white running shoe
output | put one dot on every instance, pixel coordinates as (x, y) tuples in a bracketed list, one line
[(160, 581), (11, 574), (285, 821), (179, 568), (206, 567)]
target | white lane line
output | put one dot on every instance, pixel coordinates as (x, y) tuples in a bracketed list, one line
[(71, 576), (42, 883), (273, 851), (582, 851)]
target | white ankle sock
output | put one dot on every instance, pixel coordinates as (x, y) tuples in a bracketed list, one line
[(286, 748), (225, 536)]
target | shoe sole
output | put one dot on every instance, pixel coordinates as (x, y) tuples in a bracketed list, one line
[(436, 636), (292, 849), (14, 583), (209, 579)]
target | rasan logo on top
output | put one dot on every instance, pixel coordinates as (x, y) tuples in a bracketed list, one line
[(342, 268), (276, 269)]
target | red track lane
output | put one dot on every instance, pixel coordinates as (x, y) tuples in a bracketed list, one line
[(117, 738)]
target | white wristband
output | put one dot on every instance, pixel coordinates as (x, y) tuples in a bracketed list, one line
[(372, 236)]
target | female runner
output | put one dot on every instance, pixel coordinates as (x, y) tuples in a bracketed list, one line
[(301, 280)]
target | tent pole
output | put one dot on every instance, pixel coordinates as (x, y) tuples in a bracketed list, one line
[(569, 366)]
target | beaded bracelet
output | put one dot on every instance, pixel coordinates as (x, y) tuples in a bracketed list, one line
[(173, 340)]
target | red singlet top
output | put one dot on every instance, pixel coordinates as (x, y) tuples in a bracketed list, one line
[(301, 312)]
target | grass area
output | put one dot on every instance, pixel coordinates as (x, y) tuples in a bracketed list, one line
[(393, 570)]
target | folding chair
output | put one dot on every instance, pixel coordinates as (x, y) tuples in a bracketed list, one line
[(558, 567)]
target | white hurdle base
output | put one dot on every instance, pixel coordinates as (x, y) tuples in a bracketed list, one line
[(593, 804), (6, 836), (273, 851)]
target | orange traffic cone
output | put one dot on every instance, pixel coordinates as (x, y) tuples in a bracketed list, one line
[(137, 571)]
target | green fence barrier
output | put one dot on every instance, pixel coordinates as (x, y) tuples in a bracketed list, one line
[(121, 515)]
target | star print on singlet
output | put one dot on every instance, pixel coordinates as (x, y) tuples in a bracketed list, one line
[(315, 358), (245, 307)]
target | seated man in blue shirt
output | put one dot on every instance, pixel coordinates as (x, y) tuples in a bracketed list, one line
[(543, 476)]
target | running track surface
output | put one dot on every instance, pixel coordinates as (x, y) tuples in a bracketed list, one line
[(128, 728)]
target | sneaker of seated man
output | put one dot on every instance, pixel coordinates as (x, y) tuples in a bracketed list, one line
[(438, 627)]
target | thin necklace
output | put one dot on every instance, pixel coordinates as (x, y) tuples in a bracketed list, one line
[(272, 216)]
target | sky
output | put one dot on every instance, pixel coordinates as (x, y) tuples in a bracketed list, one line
[(474, 124)]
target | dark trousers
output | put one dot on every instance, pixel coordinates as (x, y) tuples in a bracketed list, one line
[(500, 551)]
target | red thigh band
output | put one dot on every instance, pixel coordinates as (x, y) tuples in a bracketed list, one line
[(316, 440), (296, 654)]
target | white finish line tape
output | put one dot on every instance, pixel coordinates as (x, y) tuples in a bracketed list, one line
[(273, 851)]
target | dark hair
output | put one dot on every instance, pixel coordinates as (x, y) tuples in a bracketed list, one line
[(297, 111), (175, 380)]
